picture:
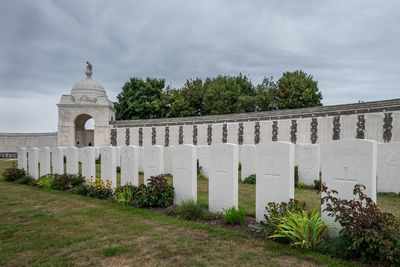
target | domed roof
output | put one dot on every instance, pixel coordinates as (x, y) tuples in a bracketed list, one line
[(88, 87)]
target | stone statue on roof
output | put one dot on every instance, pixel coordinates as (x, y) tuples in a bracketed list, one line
[(88, 71)]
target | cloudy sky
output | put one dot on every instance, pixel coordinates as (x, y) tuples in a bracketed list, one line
[(350, 47)]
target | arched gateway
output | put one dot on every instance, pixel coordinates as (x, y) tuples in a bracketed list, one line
[(88, 100)]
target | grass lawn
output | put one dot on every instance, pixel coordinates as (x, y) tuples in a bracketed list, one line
[(46, 228)]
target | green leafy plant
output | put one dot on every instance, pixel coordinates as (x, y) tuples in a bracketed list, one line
[(201, 177), (190, 210), (80, 190), (13, 174), (301, 229), (375, 235), (337, 247), (157, 193), (25, 180), (45, 181), (317, 184), (64, 182), (124, 194), (97, 188), (251, 179), (275, 211), (233, 215), (301, 185)]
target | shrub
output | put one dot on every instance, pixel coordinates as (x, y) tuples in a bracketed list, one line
[(201, 177), (25, 180), (296, 176), (251, 179), (275, 211), (118, 169), (80, 189), (64, 182), (233, 215), (301, 185), (13, 174), (99, 189), (190, 210), (198, 167), (317, 184), (124, 194), (301, 229), (45, 181), (375, 235), (337, 247), (157, 193)]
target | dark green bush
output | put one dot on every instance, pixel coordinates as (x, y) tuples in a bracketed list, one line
[(317, 184), (251, 179), (64, 182), (13, 174), (233, 215), (190, 210), (276, 211), (337, 247), (25, 180), (375, 235), (201, 177), (80, 190), (296, 176), (157, 193)]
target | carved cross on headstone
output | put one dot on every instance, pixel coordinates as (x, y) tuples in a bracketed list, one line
[(348, 183)]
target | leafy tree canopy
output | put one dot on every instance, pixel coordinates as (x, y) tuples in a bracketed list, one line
[(150, 98)]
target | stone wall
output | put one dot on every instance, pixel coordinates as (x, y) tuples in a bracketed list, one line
[(378, 120), (10, 142)]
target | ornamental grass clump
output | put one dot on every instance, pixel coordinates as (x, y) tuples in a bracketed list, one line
[(374, 234), (233, 215), (97, 188), (190, 210), (45, 181), (275, 211), (301, 229), (124, 194)]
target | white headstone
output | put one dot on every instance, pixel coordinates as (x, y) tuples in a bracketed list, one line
[(247, 158), (141, 159), (118, 149), (44, 161), (223, 180), (153, 161), (389, 167), (72, 155), (345, 163), (33, 162), (109, 164), (88, 159), (168, 159), (307, 161), (184, 173), (203, 154), (130, 165), (22, 158), (275, 175), (57, 160)]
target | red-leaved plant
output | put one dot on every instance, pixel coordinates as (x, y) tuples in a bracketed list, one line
[(375, 234)]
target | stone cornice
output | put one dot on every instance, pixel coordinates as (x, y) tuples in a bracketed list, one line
[(334, 110)]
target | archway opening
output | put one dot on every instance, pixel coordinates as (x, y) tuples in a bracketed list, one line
[(84, 131)]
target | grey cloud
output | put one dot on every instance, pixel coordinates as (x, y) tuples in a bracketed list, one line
[(350, 47)]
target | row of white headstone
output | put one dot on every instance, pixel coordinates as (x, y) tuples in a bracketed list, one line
[(344, 163)]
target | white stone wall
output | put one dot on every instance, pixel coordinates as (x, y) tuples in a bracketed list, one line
[(11, 142)]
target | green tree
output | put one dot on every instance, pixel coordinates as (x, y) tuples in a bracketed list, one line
[(142, 100), (188, 101), (227, 94), (297, 90), (265, 93)]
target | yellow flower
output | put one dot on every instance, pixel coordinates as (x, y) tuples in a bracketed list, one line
[(97, 179), (272, 208)]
